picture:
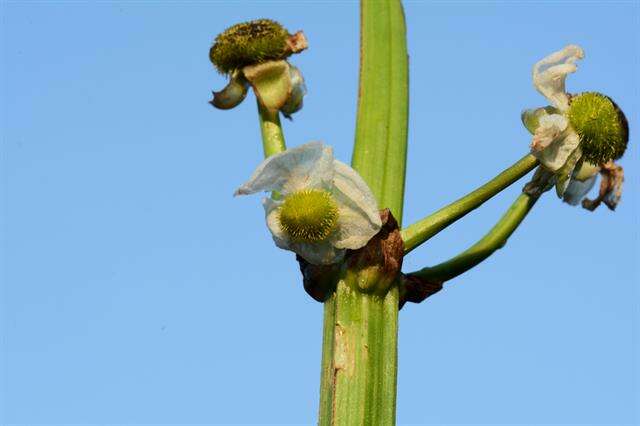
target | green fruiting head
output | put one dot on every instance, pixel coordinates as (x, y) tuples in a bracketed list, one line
[(249, 43), (308, 216), (601, 125)]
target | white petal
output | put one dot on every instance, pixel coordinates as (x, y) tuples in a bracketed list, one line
[(550, 127), (359, 219), (586, 170), (271, 214), (531, 117), (307, 166), (550, 73), (322, 253), (551, 145), (578, 189), (565, 172)]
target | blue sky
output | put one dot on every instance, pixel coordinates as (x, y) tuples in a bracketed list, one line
[(137, 290)]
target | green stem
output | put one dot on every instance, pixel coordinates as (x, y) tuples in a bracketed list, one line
[(495, 239), (380, 149), (358, 383), (421, 231), (271, 130), (359, 351)]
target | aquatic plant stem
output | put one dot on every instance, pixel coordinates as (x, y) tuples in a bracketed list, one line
[(359, 348), (358, 383)]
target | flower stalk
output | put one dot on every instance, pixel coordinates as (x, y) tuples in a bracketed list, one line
[(426, 228), (495, 239), (271, 131)]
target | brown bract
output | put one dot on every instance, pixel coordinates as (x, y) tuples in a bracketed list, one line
[(414, 289), (319, 280), (297, 42), (378, 264), (612, 177)]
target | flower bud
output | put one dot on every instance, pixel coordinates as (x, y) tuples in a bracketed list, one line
[(601, 125)]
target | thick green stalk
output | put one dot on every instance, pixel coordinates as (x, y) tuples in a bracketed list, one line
[(359, 361), (271, 130), (380, 149), (359, 351), (495, 239), (421, 231)]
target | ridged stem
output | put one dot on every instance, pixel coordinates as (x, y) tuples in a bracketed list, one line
[(358, 384), (380, 149), (359, 351)]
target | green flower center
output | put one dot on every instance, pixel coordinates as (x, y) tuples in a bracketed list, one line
[(308, 216), (601, 125), (249, 43)]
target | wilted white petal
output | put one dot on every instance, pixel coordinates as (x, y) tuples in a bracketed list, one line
[(233, 93), (578, 189), (566, 172), (323, 253), (556, 150), (531, 117), (298, 91), (271, 214), (550, 127), (358, 219), (585, 171), (304, 167), (550, 73)]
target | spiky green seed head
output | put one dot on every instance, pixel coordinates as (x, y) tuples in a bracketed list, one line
[(308, 216), (249, 43), (601, 125)]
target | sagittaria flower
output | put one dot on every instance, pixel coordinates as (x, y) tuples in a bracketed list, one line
[(254, 54), (320, 206), (577, 136)]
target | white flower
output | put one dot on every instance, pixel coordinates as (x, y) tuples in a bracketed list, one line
[(575, 138), (550, 73), (321, 207), (554, 140)]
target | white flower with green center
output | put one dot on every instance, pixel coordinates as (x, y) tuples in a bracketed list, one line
[(577, 135), (320, 208)]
